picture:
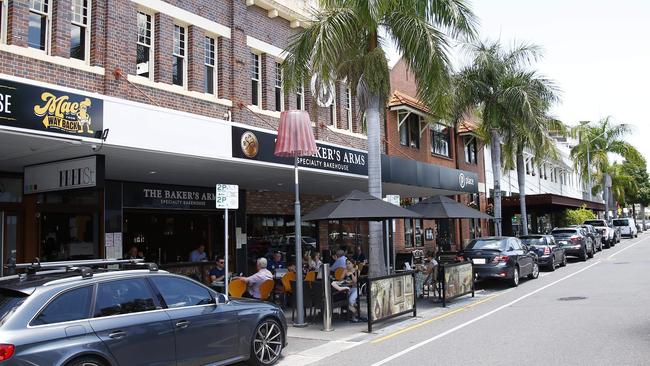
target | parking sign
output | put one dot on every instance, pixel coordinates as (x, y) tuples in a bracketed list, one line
[(227, 196)]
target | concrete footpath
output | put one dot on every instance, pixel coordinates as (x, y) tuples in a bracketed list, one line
[(311, 344)]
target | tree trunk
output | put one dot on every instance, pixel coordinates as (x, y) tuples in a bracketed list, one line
[(495, 147), (521, 178), (643, 217), (376, 254), (606, 196), (613, 203)]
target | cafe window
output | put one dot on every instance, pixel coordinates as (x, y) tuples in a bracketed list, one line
[(408, 233), (145, 46), (440, 139), (409, 129), (470, 149), (123, 297), (210, 66), (179, 62), (11, 190), (279, 95), (268, 233), (419, 232), (300, 97), (80, 30), (347, 234), (348, 107), (39, 24), (256, 77)]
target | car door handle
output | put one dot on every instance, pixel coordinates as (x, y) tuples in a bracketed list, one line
[(182, 324), (117, 334)]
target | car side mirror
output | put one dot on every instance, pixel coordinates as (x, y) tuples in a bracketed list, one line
[(221, 299)]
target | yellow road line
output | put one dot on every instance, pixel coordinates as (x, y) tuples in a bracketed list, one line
[(425, 322)]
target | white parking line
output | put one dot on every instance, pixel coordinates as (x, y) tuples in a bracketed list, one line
[(628, 247), (461, 326)]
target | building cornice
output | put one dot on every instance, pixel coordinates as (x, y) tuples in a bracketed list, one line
[(297, 12)]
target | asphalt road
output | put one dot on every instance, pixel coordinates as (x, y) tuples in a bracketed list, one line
[(589, 313)]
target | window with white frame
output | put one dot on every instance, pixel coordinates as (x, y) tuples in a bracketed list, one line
[(39, 24), (300, 97), (279, 96), (256, 77), (80, 30), (348, 107), (145, 46), (440, 139), (179, 63), (409, 129), (471, 150), (333, 109), (3, 21), (210, 66)]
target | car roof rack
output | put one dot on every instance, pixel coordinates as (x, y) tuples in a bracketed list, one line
[(83, 266)]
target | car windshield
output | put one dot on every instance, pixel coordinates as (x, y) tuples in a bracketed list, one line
[(533, 241), (595, 223), (494, 244), (9, 302), (621, 222), (565, 232)]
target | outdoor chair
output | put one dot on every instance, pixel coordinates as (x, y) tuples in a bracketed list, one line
[(286, 286), (306, 297), (310, 276), (237, 287), (339, 273), (265, 289)]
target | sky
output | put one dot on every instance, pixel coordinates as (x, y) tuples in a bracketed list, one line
[(597, 52)]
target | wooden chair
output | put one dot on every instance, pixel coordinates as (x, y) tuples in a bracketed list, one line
[(339, 273), (310, 276), (237, 287), (286, 284), (265, 289)]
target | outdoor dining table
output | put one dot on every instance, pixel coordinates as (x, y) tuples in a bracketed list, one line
[(218, 286)]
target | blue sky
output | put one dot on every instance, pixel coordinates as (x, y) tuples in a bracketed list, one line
[(598, 53)]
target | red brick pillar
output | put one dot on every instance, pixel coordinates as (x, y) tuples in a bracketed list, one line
[(224, 55), (163, 48), (98, 33), (61, 17), (268, 81), (18, 22), (196, 59)]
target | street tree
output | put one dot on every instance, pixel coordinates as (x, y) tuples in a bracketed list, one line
[(343, 43), (512, 102)]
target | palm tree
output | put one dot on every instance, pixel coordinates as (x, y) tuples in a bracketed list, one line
[(622, 183), (512, 103), (343, 42), (597, 141)]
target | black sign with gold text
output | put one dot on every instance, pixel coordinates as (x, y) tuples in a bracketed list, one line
[(256, 145), (50, 110)]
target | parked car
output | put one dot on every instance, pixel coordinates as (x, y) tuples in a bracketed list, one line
[(549, 253), (647, 225), (627, 226), (595, 236), (80, 316), (609, 234), (501, 257), (575, 242)]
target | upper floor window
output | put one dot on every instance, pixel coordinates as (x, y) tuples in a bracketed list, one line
[(440, 138), (210, 66), (409, 129), (333, 116), (256, 77), (300, 97), (179, 63), (3, 21), (80, 30), (39, 24), (348, 107), (145, 46), (279, 96), (470, 150)]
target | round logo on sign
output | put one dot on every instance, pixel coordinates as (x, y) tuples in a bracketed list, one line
[(461, 180), (249, 144)]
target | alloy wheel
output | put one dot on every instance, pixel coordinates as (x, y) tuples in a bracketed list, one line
[(535, 272), (515, 277), (267, 344)]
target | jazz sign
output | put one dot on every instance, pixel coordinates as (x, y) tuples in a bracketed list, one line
[(227, 196)]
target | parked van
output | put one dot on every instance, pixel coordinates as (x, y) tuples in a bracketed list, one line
[(628, 227)]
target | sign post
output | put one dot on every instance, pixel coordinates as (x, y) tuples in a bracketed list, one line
[(227, 197), (394, 199)]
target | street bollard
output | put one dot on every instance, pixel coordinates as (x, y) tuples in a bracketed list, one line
[(327, 299)]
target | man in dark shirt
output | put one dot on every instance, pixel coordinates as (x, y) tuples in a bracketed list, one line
[(218, 273), (276, 262), (358, 256)]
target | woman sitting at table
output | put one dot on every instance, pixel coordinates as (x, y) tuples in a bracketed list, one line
[(349, 284)]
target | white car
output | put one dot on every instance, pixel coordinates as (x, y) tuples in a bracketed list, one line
[(627, 226)]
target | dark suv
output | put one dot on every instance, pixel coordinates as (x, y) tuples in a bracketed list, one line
[(595, 235), (95, 317), (575, 242)]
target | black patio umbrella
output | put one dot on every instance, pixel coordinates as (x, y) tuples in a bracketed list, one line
[(362, 206), (441, 207)]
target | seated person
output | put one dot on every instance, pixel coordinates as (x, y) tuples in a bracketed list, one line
[(339, 260), (276, 262), (254, 282), (218, 273), (349, 284)]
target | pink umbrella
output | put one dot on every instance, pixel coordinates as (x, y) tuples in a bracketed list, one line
[(296, 138)]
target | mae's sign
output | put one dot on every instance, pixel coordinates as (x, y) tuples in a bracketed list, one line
[(257, 145), (143, 195), (50, 110), (62, 175)]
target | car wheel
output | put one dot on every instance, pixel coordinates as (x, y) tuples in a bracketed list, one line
[(591, 253), (514, 282), (584, 255), (267, 343), (86, 361), (552, 266), (564, 261), (533, 275)]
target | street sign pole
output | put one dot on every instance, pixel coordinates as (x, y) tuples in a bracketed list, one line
[(225, 256), (227, 197)]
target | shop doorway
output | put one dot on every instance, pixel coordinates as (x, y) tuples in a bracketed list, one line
[(68, 236), (10, 229)]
